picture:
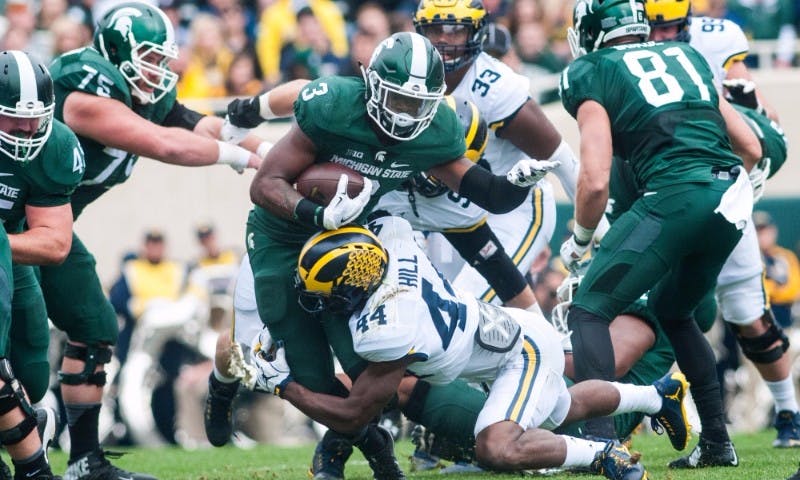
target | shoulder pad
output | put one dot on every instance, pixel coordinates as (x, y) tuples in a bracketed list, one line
[(85, 70)]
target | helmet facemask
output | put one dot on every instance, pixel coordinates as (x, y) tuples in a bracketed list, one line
[(154, 74), (437, 19)]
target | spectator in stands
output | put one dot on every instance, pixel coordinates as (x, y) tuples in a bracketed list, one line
[(278, 26), (310, 55), (208, 60), (372, 25), (538, 61), (244, 76), (235, 25), (767, 20), (149, 276), (782, 279)]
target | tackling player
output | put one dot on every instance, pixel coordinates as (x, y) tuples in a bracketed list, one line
[(41, 164), (404, 316), (740, 290), (118, 96)]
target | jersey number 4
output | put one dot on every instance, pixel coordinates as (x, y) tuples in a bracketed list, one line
[(658, 86)]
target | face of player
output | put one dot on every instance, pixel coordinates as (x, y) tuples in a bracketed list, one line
[(449, 40), (664, 34), (151, 78), (19, 127)]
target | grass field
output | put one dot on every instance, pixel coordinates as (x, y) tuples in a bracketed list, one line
[(758, 461)]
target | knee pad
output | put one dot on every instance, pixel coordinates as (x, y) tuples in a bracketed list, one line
[(91, 355), (11, 397), (759, 349)]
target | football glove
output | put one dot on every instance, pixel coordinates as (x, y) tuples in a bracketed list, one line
[(342, 209), (741, 92), (245, 113), (231, 133), (758, 178), (528, 171), (269, 359), (572, 252)]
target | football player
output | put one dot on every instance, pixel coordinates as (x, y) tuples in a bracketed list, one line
[(740, 290), (41, 164), (387, 126), (118, 96), (404, 316), (518, 129), (689, 210)]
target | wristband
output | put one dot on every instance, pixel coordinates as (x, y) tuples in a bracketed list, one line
[(264, 109), (233, 155), (264, 148), (582, 234), (308, 212)]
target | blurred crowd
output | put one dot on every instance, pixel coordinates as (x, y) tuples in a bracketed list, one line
[(241, 47)]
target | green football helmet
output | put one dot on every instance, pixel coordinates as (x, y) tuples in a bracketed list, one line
[(595, 22), (139, 40), (26, 97), (339, 269), (404, 84)]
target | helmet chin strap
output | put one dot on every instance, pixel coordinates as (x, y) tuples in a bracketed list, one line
[(140, 96)]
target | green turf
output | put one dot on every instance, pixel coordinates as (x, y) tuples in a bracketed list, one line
[(759, 461)]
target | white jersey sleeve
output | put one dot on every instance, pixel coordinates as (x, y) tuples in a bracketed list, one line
[(721, 42)]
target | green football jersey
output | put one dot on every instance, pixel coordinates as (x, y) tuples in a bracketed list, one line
[(773, 140), (332, 112), (661, 101), (48, 180), (85, 70)]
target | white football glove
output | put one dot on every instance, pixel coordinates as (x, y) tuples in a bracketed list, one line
[(269, 358), (528, 171), (572, 252), (758, 178), (342, 209), (231, 133)]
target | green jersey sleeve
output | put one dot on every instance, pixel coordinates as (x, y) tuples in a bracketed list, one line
[(580, 81), (85, 70), (60, 169)]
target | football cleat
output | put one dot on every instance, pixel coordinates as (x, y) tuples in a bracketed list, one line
[(787, 424), (330, 456), (708, 454), (95, 466), (217, 411), (672, 416), (377, 446), (617, 463)]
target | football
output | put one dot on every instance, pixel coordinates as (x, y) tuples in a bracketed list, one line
[(318, 182)]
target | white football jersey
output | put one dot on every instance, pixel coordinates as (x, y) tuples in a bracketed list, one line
[(416, 312), (720, 41), (448, 211)]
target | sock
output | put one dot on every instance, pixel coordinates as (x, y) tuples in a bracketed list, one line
[(783, 394), (222, 377), (635, 398), (32, 465), (580, 452), (82, 419)]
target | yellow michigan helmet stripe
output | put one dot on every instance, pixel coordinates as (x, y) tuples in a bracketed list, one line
[(476, 134), (455, 11), (666, 12)]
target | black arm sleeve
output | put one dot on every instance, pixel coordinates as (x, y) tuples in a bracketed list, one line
[(182, 117), (491, 192), (482, 249)]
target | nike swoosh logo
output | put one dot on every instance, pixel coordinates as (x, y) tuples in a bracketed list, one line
[(6, 174), (399, 165)]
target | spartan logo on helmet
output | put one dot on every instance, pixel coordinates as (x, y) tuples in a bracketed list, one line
[(339, 269), (139, 40), (595, 22), (404, 84), (26, 106)]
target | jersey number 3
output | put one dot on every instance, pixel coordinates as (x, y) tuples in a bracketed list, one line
[(658, 86)]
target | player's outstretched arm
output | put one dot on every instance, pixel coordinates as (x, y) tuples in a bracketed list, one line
[(493, 193), (110, 122), (744, 141)]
